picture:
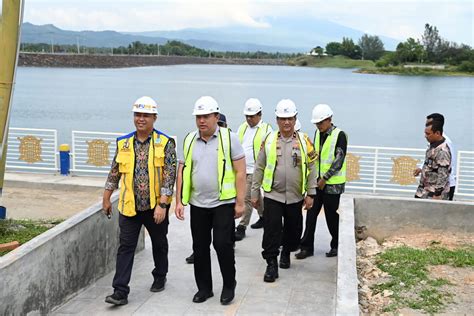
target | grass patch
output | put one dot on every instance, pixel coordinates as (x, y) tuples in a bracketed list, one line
[(329, 61), (409, 280), (23, 230), (400, 70)]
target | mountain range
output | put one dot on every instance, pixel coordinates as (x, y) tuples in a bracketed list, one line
[(285, 35)]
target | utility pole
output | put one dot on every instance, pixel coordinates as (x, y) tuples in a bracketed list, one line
[(78, 47)]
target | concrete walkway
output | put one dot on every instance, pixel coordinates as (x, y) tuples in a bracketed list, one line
[(307, 288)]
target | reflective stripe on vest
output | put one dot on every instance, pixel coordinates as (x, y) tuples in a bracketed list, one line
[(257, 138), (126, 162), (270, 151), (226, 175), (326, 157)]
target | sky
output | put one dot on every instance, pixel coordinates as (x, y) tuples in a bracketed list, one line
[(397, 19)]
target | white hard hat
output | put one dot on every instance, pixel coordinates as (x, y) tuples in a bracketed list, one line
[(297, 125), (320, 113), (252, 106), (206, 105), (286, 108), (145, 105)]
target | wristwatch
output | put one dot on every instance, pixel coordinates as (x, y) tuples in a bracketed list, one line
[(163, 205)]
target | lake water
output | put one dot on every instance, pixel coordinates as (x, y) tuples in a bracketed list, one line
[(375, 110)]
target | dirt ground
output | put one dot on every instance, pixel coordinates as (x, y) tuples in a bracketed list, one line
[(368, 273), (48, 202)]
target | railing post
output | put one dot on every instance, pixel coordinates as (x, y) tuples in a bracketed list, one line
[(376, 160), (64, 159), (458, 173)]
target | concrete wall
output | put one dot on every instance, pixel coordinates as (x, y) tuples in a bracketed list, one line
[(48, 270), (381, 217)]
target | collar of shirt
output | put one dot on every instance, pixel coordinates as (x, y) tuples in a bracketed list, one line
[(145, 141), (436, 144), (256, 126), (329, 131), (216, 132)]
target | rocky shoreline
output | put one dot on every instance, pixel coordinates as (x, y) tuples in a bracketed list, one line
[(125, 61)]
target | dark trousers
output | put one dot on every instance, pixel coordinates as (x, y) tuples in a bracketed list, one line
[(272, 227), (129, 231), (451, 192), (331, 204), (218, 221)]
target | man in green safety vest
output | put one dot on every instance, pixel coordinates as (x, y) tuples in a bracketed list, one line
[(211, 178), (331, 146), (145, 167), (251, 135), (285, 171)]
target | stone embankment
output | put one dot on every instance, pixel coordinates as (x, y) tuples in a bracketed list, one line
[(123, 61)]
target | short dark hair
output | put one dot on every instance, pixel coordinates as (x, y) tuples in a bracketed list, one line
[(436, 126), (436, 117)]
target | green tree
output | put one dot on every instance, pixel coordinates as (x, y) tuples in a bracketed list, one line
[(431, 41), (349, 49), (318, 50), (371, 47), (333, 48), (410, 51)]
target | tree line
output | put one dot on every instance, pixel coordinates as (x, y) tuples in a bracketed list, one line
[(431, 49), (171, 48)]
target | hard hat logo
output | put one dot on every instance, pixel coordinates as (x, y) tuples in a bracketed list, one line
[(145, 105), (205, 105), (286, 108), (252, 106)]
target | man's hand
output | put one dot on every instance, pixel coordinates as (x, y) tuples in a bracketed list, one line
[(255, 202), (107, 206), (179, 211), (416, 172), (159, 214), (238, 210), (321, 183), (308, 202)]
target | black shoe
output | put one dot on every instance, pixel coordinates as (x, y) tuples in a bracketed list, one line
[(240, 232), (158, 285), (332, 253), (227, 294), (303, 254), (258, 224), (117, 299), (272, 270), (190, 259), (285, 260), (201, 296)]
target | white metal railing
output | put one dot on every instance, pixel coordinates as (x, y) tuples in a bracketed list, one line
[(376, 165), (465, 174), (36, 153), (81, 144)]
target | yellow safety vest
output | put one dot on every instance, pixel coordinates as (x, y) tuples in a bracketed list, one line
[(258, 137), (326, 157), (270, 151), (126, 162), (226, 174)]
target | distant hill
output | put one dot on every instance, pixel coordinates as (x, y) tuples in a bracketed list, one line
[(285, 35)]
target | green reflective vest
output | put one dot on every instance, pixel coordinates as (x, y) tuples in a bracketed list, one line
[(270, 152), (262, 131), (226, 174), (326, 157)]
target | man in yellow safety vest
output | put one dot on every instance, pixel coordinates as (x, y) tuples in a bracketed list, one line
[(145, 166), (284, 169), (251, 135), (331, 145), (211, 178)]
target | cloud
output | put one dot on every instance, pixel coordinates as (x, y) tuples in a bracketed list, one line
[(398, 19)]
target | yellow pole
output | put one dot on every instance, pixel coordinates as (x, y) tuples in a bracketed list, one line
[(11, 17)]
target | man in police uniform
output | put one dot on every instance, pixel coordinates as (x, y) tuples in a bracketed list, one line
[(145, 166), (251, 135), (284, 169), (434, 180), (211, 177), (331, 146)]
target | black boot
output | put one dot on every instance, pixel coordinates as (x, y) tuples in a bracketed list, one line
[(272, 270), (240, 232), (257, 224), (285, 260)]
